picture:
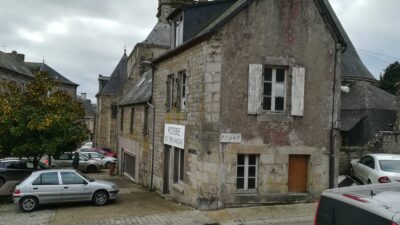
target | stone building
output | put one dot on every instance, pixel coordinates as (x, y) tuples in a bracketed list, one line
[(14, 68), (107, 105), (247, 103), (135, 106), (90, 113)]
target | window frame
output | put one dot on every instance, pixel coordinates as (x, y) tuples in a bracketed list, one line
[(274, 84), (170, 92), (132, 122), (246, 177), (40, 177), (178, 31), (182, 90)]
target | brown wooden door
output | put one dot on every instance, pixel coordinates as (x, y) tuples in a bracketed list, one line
[(298, 170)]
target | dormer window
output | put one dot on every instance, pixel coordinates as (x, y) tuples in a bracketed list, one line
[(178, 24)]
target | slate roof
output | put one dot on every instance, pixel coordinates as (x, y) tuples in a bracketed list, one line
[(141, 91), (43, 67), (160, 35), (117, 79), (352, 67), (363, 96), (90, 110), (10, 63), (350, 118)]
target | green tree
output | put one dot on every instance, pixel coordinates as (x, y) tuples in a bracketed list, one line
[(39, 120), (390, 78)]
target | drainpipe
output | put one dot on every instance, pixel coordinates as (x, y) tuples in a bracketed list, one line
[(153, 67)]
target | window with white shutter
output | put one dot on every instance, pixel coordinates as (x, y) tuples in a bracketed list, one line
[(254, 89)]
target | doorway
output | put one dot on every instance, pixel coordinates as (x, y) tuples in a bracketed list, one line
[(298, 173), (167, 152)]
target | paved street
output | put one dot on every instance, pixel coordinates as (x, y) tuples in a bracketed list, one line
[(139, 206)]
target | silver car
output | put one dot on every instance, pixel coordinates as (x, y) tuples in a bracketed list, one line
[(62, 185), (65, 161), (104, 160)]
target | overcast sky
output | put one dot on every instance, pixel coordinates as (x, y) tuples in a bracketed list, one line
[(84, 38)]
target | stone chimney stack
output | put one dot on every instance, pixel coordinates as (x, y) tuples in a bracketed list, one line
[(102, 81), (83, 96), (19, 57)]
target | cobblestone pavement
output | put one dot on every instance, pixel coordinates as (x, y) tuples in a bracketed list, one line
[(138, 206)]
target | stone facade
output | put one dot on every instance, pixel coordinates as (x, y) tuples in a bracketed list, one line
[(280, 33)]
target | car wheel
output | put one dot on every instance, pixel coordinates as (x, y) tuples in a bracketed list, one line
[(100, 198), (2, 182), (28, 204), (107, 165), (91, 168)]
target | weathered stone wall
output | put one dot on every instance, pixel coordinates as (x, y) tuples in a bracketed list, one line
[(138, 142), (278, 33), (202, 65), (103, 124), (384, 142)]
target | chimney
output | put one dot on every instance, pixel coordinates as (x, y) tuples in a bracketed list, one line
[(83, 96), (19, 57)]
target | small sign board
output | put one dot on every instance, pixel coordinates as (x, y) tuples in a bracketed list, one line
[(174, 135), (230, 138)]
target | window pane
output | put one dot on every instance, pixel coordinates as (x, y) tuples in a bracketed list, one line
[(268, 89), (38, 181), (71, 178), (267, 103), (240, 171), (252, 171), (252, 159), (280, 75), (279, 102), (240, 159), (252, 183), (240, 183), (279, 90), (268, 74), (49, 178)]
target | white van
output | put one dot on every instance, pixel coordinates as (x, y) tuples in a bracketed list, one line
[(377, 204)]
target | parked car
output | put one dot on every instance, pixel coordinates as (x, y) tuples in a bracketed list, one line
[(62, 185), (65, 161), (103, 151), (104, 160), (13, 169), (376, 168), (87, 145), (376, 204)]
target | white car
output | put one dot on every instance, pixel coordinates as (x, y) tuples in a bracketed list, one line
[(87, 145), (104, 160), (376, 168)]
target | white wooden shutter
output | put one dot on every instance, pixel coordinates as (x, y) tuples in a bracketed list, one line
[(254, 92), (298, 82)]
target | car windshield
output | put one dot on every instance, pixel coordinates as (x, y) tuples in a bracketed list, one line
[(390, 165), (86, 177)]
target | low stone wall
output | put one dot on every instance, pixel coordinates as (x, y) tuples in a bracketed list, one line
[(384, 142)]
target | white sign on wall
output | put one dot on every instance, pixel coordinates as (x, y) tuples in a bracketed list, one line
[(230, 138), (174, 135)]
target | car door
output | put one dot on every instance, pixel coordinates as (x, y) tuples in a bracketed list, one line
[(47, 187), (17, 170), (367, 167), (74, 187)]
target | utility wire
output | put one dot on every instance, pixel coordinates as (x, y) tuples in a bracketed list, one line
[(376, 53)]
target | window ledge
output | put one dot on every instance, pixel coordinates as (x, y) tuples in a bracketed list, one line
[(274, 117), (179, 187), (246, 192)]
